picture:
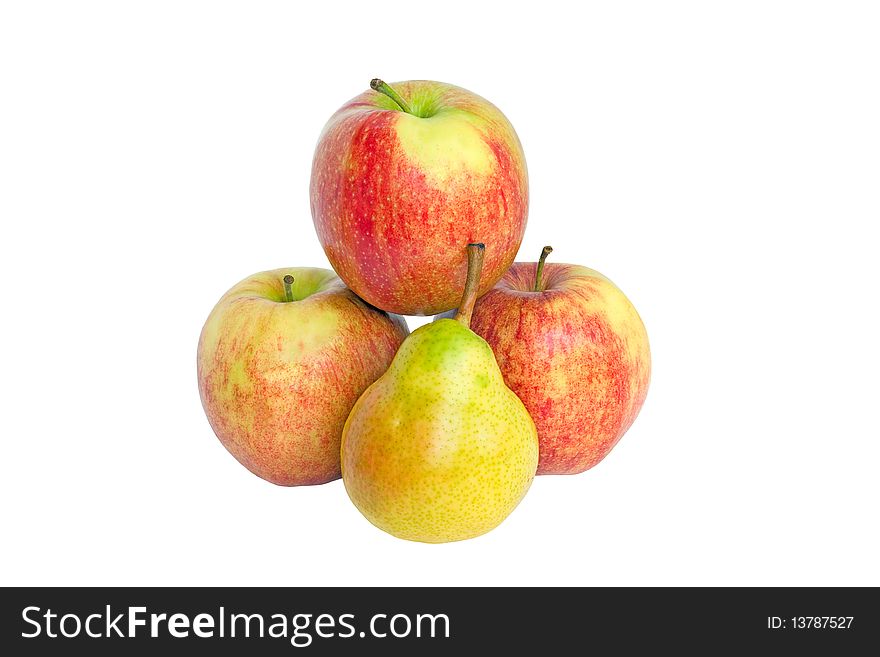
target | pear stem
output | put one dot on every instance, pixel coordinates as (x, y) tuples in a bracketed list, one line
[(383, 88), (288, 291), (544, 253), (475, 252)]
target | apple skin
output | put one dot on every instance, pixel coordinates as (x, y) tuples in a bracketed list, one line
[(576, 353), (278, 379), (395, 196)]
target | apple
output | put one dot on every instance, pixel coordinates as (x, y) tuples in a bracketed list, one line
[(282, 358), (403, 176), (574, 350)]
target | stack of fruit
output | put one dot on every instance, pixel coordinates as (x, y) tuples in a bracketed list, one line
[(419, 195)]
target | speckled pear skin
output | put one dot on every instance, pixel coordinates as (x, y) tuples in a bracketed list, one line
[(439, 449)]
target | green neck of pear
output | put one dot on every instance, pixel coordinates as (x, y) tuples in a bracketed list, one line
[(475, 254)]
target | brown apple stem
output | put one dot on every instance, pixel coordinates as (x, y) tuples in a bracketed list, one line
[(475, 252), (547, 251), (382, 87), (288, 291)]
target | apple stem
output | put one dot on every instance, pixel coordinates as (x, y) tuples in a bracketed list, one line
[(288, 291), (475, 252), (544, 253), (382, 87)]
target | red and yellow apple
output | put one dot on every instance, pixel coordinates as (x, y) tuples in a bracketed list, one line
[(574, 350), (282, 359), (402, 176)]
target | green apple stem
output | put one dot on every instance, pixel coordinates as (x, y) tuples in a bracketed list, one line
[(382, 87), (547, 251), (288, 290), (475, 252)]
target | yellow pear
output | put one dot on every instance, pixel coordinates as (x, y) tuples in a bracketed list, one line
[(439, 449)]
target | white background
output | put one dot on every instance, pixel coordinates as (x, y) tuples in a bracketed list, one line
[(719, 161)]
